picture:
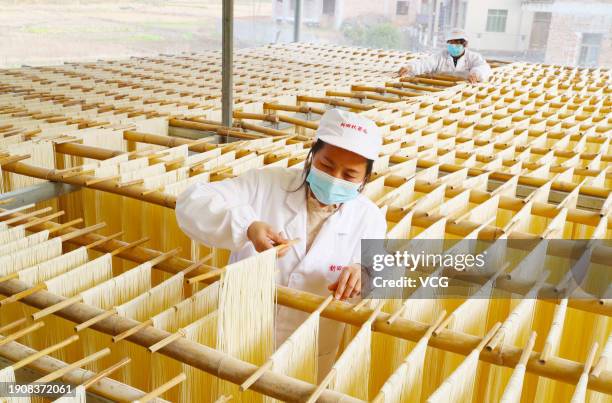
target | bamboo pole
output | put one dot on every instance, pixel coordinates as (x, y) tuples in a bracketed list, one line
[(322, 386), (132, 330), (94, 320), (219, 130), (12, 325), (588, 364), (80, 150), (168, 141), (163, 388), (106, 372), (67, 224), (170, 339), (22, 217), (49, 218), (46, 351), (136, 191), (77, 364), (20, 333), (16, 210), (107, 186)]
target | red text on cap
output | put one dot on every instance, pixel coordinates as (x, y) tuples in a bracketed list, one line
[(354, 127)]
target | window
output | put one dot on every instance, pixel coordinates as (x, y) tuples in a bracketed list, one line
[(402, 8), (329, 7), (496, 20), (589, 50)]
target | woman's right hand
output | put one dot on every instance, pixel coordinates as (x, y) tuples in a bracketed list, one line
[(264, 237)]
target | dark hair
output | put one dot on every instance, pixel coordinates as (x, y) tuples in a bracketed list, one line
[(318, 146), (462, 41)]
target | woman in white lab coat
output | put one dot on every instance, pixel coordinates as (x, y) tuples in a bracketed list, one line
[(321, 206), (455, 59)]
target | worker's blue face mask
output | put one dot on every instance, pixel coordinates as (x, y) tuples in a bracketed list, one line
[(454, 49), (330, 190)]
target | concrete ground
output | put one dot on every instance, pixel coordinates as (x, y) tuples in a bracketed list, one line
[(44, 32)]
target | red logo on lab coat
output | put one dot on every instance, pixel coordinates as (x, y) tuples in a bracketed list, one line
[(335, 267)]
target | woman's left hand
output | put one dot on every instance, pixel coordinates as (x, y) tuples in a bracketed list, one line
[(348, 284)]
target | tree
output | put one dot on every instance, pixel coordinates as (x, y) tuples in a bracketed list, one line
[(381, 34)]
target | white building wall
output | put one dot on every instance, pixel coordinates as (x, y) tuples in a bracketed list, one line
[(518, 26)]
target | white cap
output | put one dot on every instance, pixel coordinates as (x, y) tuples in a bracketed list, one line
[(351, 132), (456, 33)]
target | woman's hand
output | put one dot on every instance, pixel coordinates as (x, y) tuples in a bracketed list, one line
[(473, 78), (348, 284), (264, 237)]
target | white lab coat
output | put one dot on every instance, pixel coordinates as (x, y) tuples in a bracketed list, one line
[(442, 62), (218, 214)]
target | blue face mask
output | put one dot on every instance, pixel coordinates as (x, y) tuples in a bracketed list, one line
[(330, 190), (454, 49)]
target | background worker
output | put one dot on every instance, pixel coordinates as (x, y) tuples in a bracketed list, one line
[(456, 59), (320, 205)]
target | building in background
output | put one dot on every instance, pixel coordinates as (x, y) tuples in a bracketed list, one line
[(550, 31), (579, 32), (332, 13)]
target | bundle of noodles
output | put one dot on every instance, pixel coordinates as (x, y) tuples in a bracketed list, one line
[(131, 208), (514, 330), (247, 334), (467, 318), (512, 392), (517, 315), (201, 385), (546, 387), (404, 385), (141, 308), (16, 261), (459, 386), (604, 363), (70, 284), (423, 305), (155, 217), (24, 243), (352, 369), (297, 357), (8, 235), (175, 319), (7, 375), (109, 208), (42, 272), (579, 395), (108, 294), (587, 327), (41, 154), (172, 237)]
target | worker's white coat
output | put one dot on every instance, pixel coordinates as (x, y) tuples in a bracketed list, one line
[(218, 214), (442, 62)]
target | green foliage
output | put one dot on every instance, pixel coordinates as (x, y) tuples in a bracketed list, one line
[(381, 35)]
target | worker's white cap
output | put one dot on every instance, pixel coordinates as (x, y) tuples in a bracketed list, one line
[(351, 132), (456, 33)]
